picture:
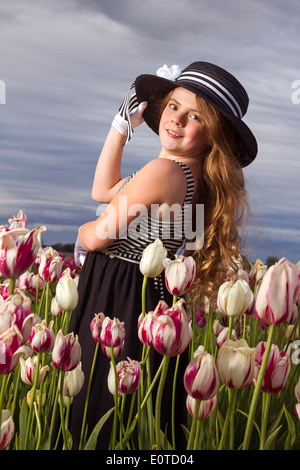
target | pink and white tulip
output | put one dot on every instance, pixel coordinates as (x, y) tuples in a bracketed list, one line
[(277, 368), (18, 250), (66, 291), (16, 310), (29, 370), (18, 221), (206, 406), (236, 363), (11, 349), (51, 264), (73, 381), (151, 263), (66, 352), (96, 326), (278, 293), (201, 377), (112, 333), (234, 298), (167, 329), (42, 337), (179, 274), (128, 377), (7, 429)]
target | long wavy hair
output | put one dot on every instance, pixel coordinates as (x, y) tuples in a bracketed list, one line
[(220, 186)]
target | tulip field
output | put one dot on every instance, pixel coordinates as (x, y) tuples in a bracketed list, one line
[(242, 380)]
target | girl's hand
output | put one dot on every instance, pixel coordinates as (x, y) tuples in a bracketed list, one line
[(135, 116)]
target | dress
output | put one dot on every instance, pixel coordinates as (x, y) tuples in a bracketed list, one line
[(111, 283)]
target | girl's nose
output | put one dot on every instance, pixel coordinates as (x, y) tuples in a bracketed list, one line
[(178, 119)]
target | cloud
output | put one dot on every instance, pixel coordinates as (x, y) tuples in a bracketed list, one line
[(67, 65)]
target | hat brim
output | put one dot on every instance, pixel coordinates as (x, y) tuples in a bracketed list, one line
[(153, 89)]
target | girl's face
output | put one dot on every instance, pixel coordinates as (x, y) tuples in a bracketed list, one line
[(181, 129)]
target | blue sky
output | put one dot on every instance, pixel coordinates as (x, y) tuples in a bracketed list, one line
[(67, 65)]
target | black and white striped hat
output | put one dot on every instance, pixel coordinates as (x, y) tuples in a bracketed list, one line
[(212, 83)]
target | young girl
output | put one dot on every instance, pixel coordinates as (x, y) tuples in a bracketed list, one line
[(197, 114)]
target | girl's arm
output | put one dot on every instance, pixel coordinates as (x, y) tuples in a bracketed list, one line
[(107, 178), (161, 183)]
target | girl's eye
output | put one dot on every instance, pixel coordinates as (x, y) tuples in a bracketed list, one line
[(194, 116), (172, 106)]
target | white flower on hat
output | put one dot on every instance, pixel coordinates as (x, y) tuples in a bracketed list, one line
[(171, 73)]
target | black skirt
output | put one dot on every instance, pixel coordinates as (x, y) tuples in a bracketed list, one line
[(114, 286)]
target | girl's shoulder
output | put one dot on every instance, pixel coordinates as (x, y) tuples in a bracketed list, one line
[(162, 168)]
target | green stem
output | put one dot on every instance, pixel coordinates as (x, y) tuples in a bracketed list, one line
[(130, 430), (82, 434), (197, 433), (54, 409), (230, 327), (2, 393), (114, 430), (173, 402), (66, 316), (61, 409), (161, 385), (47, 303), (264, 419), (37, 292), (16, 391), (145, 280), (39, 427), (191, 440), (42, 300), (29, 422), (244, 325), (11, 287), (228, 417), (256, 393)]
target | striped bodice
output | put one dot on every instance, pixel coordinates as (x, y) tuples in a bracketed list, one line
[(146, 229)]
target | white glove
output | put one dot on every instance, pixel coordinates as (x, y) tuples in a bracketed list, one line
[(79, 253), (135, 116)]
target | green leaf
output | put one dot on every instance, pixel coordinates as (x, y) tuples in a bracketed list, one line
[(23, 421), (270, 441), (92, 441), (291, 437)]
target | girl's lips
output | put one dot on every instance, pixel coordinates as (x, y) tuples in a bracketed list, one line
[(173, 134)]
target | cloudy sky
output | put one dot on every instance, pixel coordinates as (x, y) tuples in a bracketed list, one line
[(67, 64)]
